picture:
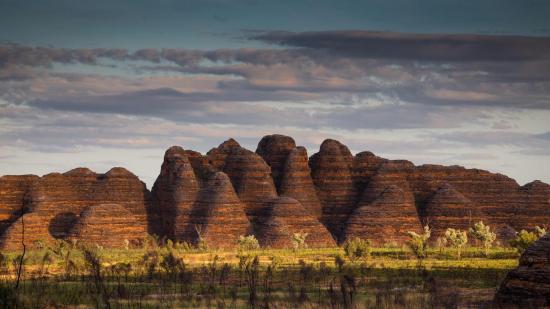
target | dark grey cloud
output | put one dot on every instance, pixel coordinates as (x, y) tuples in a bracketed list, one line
[(427, 47), (230, 108), (421, 71), (44, 56)]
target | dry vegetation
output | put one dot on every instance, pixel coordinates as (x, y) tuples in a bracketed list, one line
[(176, 275)]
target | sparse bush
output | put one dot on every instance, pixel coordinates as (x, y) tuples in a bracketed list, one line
[(151, 242), (93, 264), (40, 244), (457, 239), (172, 265), (357, 248), (299, 240), (339, 262), (540, 231), (202, 245), (441, 242), (484, 234), (169, 244), (418, 243), (523, 240), (251, 269), (183, 246), (62, 250), (247, 243)]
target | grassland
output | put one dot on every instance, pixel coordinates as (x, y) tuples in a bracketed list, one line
[(311, 278)]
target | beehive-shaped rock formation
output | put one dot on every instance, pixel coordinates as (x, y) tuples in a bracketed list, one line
[(296, 182), (365, 166), (31, 228), (287, 217), (448, 208), (217, 156), (13, 194), (528, 286), (218, 216), (251, 179), (109, 226), (55, 201), (331, 174), (274, 149), (534, 208), (337, 188), (495, 196), (391, 173), (387, 219), (201, 166), (175, 190)]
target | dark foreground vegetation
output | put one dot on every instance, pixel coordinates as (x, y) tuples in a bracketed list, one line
[(160, 276)]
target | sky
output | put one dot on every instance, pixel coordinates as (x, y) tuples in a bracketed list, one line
[(115, 83)]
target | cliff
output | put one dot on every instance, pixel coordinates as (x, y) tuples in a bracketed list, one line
[(272, 193)]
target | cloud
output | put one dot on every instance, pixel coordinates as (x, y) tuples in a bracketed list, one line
[(524, 142), (427, 47), (432, 69)]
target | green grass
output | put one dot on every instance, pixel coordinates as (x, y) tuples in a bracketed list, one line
[(390, 277)]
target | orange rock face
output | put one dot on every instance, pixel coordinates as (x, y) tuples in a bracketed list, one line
[(497, 200), (218, 215), (332, 175), (296, 182), (251, 179), (175, 190), (449, 208), (109, 226), (55, 202), (528, 286), (274, 149), (362, 195), (386, 219), (286, 217), (13, 195), (217, 156)]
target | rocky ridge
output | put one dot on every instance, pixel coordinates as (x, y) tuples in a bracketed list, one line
[(231, 191)]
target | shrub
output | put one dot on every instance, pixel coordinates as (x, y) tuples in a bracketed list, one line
[(202, 245), (339, 262), (151, 242), (483, 233), (299, 240), (357, 248), (184, 246), (441, 242), (457, 239), (169, 244), (172, 265), (246, 243), (540, 231), (523, 240), (419, 243)]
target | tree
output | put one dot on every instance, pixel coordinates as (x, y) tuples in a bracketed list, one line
[(419, 243), (299, 240), (523, 240), (246, 243), (457, 239), (484, 234), (357, 248)]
